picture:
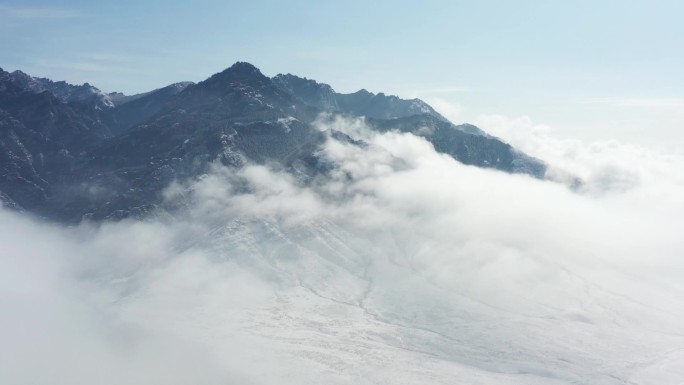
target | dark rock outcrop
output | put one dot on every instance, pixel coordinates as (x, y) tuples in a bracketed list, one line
[(72, 152)]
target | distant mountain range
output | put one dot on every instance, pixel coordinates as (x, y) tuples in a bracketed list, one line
[(71, 152)]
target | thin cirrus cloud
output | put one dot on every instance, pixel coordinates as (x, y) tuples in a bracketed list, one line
[(646, 103), (14, 12), (445, 90), (89, 62), (82, 65), (81, 68)]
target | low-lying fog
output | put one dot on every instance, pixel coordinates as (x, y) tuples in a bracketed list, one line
[(403, 267)]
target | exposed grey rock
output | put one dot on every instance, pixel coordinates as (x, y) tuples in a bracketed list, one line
[(67, 157), (360, 103)]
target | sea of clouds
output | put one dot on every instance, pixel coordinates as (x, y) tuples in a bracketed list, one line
[(400, 266)]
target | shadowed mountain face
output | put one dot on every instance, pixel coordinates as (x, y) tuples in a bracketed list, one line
[(72, 152), (360, 103), (85, 94)]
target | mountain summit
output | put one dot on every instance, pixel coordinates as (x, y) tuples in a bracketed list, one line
[(73, 152)]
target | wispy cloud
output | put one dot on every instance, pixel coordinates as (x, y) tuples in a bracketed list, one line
[(649, 103), (452, 111), (88, 62), (445, 90), (80, 66), (108, 57), (29, 12)]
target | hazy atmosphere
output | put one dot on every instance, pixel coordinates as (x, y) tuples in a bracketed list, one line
[(591, 70), (249, 227)]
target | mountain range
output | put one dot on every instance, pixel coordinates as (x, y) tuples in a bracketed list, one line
[(72, 152)]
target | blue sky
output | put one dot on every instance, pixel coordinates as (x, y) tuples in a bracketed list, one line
[(592, 69)]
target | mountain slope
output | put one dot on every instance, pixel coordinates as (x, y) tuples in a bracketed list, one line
[(360, 103), (85, 94), (115, 162), (129, 111)]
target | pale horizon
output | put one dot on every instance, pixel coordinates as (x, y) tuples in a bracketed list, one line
[(591, 71)]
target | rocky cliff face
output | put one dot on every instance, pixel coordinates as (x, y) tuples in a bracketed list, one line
[(73, 152), (360, 103)]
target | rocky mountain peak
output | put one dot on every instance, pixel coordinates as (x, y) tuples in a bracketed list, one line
[(318, 95), (85, 94), (59, 138), (238, 73)]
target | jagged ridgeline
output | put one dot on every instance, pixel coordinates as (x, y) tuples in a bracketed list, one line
[(72, 152)]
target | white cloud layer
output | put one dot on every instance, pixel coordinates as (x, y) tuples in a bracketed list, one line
[(402, 267)]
